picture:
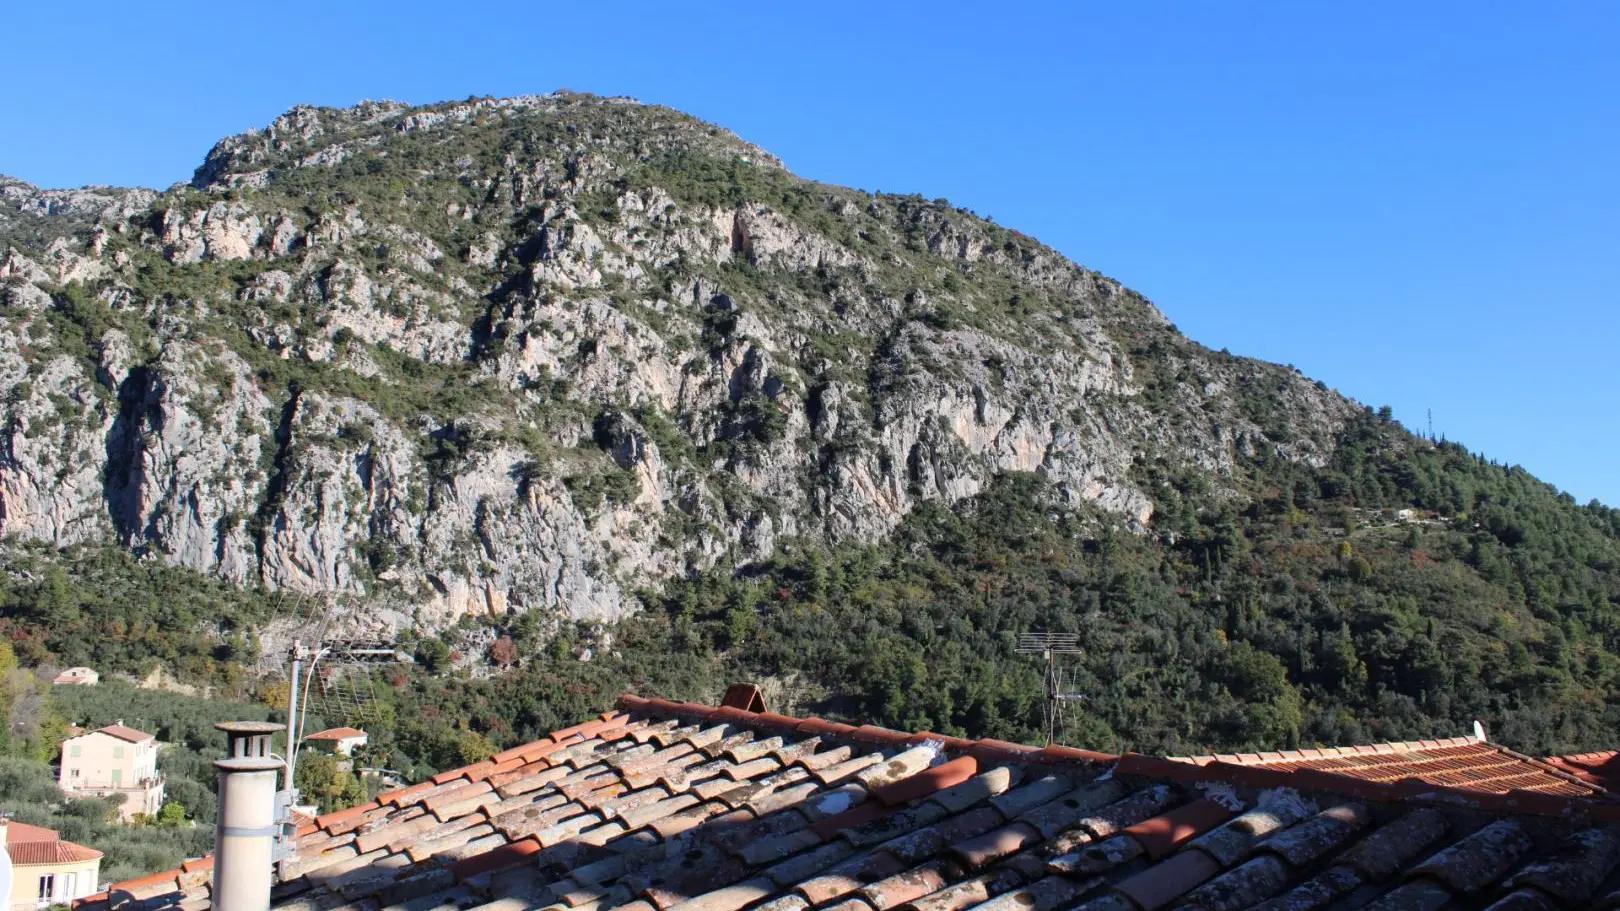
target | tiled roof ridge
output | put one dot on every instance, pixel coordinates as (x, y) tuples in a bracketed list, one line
[(123, 732), (485, 775), (1407, 790), (1593, 756), (340, 733), (1551, 769), (1182, 769), (1374, 749), (986, 750), (31, 845), (21, 833)]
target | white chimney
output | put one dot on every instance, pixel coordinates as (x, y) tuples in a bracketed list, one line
[(244, 842)]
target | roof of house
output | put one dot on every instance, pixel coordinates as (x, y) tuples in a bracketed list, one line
[(124, 733), (1465, 762), (1600, 769), (335, 734), (30, 846), (666, 806)]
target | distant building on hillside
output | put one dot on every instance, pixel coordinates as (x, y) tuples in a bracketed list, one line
[(45, 870), (77, 676), (114, 760), (337, 741)]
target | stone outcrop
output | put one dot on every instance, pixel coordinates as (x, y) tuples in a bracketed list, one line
[(538, 353)]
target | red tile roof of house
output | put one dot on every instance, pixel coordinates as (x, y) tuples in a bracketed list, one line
[(1464, 762), (669, 806), (123, 733), (335, 734), (36, 845), (1600, 769)]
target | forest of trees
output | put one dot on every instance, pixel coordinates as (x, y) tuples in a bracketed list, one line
[(1308, 615)]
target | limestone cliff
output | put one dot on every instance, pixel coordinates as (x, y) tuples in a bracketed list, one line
[(536, 353)]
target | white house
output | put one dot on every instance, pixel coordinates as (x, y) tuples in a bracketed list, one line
[(338, 741)]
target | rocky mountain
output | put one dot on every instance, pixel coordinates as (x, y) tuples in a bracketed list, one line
[(539, 353)]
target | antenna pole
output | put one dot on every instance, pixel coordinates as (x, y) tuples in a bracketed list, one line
[(1050, 645), (292, 710), (1051, 698)]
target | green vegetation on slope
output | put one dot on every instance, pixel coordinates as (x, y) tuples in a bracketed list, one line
[(1303, 617), (1306, 617)]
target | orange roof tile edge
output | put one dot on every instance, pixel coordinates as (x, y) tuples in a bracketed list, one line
[(1532, 803), (335, 734), (124, 733), (1594, 756), (988, 751), (1377, 749), (1546, 767)]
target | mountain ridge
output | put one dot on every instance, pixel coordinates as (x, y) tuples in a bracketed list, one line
[(567, 191)]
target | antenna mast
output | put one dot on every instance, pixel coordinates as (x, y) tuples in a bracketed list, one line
[(1052, 645), (303, 663)]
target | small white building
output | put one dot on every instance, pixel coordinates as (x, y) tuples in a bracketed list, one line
[(77, 676), (337, 741), (114, 760)]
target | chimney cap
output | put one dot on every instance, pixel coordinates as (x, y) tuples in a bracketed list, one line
[(249, 764), (249, 727)]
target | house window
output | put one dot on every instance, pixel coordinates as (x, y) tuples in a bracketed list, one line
[(47, 883), (70, 885), (73, 773), (75, 750), (118, 752)]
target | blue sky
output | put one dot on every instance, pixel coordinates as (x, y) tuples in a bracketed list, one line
[(1418, 204)]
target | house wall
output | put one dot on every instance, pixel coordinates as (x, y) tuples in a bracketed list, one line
[(97, 760), (147, 800), (98, 764), (68, 882)]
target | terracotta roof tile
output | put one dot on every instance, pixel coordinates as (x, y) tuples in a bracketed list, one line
[(1460, 761), (37, 853), (335, 734), (1317, 892), (147, 886), (745, 696), (124, 733), (1416, 895), (981, 850), (1232, 841), (1170, 879), (1243, 886), (1480, 859), (665, 805), (1389, 847), (1525, 900), (910, 884), (1571, 872), (1165, 833)]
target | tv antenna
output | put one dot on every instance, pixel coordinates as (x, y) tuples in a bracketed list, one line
[(345, 658), (1057, 694)]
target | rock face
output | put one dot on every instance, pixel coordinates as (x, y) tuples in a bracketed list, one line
[(536, 353)]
